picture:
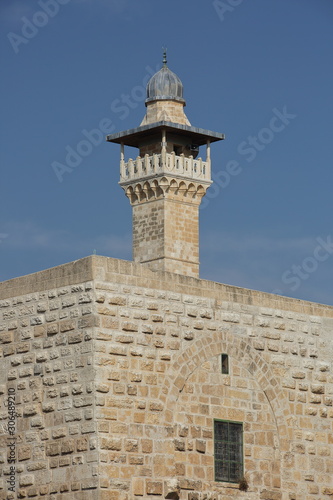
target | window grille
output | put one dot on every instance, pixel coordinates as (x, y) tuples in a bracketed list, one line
[(228, 451)]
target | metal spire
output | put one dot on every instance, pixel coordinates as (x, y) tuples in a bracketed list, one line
[(164, 56)]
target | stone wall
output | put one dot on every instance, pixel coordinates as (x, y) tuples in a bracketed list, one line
[(170, 111), (117, 381), (166, 233), (47, 374)]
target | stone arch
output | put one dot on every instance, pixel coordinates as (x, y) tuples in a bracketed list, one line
[(182, 188), (164, 184), (173, 186), (138, 190), (131, 195), (191, 190), (210, 395), (239, 347), (156, 188), (148, 191), (201, 191)]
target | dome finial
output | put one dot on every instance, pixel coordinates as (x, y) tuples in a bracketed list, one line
[(164, 85), (164, 56)]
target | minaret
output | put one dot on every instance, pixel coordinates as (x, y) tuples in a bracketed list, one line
[(166, 182)]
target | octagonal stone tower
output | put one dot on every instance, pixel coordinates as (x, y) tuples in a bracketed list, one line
[(166, 182)]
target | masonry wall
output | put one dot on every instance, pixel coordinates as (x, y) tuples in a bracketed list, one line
[(164, 389), (47, 428), (171, 111), (118, 381), (166, 234)]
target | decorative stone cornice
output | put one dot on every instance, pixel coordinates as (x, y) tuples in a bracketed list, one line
[(166, 187)]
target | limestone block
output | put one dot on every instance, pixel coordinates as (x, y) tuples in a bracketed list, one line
[(138, 487), (154, 487)]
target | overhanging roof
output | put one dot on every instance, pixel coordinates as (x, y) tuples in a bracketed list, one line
[(134, 136)]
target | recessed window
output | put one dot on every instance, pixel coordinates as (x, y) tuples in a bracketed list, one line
[(225, 364), (228, 451)]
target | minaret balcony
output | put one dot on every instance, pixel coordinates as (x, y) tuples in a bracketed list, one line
[(165, 164)]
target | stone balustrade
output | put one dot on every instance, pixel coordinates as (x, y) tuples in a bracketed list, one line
[(168, 163)]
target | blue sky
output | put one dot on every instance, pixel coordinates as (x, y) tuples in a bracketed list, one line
[(259, 71)]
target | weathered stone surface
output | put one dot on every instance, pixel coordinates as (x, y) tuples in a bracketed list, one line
[(131, 401), (154, 487)]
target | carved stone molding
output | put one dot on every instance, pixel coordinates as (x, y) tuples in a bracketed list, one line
[(172, 188)]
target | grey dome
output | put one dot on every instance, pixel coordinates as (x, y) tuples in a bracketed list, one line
[(165, 85)]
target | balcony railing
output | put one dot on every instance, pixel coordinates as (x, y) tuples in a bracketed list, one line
[(168, 163)]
